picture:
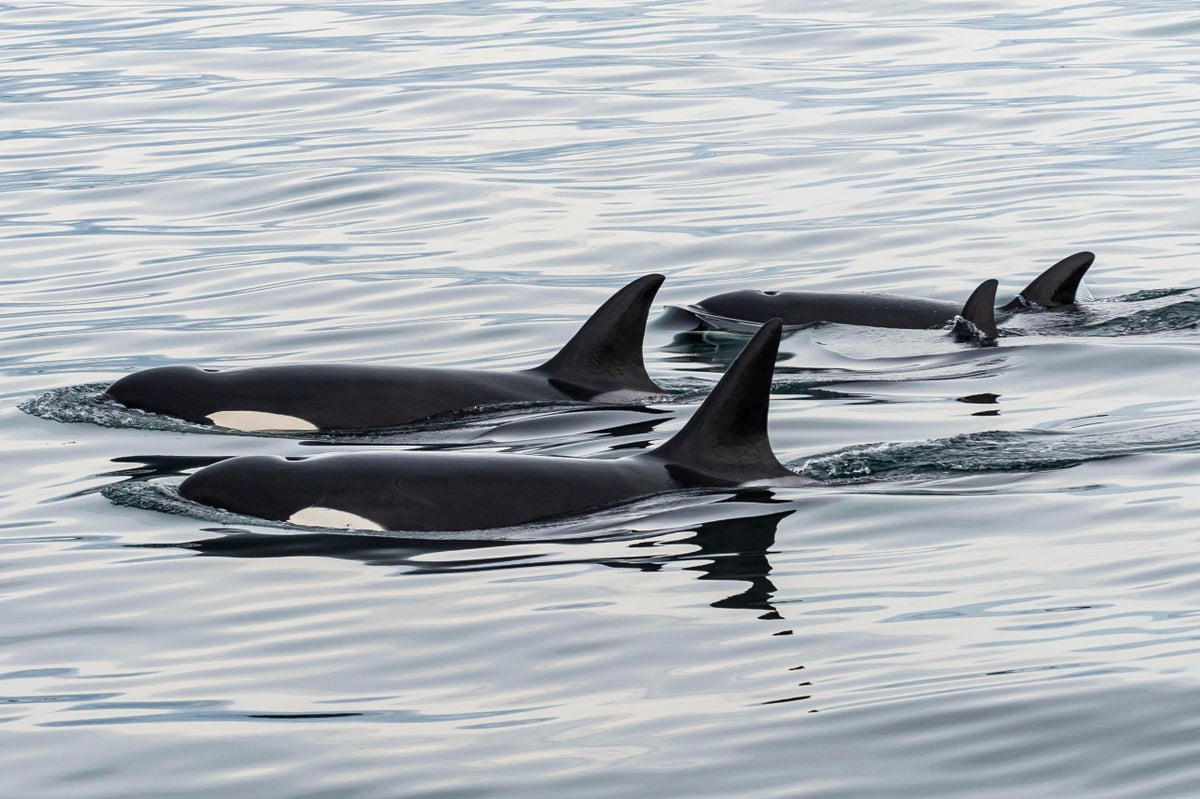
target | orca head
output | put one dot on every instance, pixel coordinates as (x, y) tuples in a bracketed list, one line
[(171, 390), (199, 395), (266, 486)]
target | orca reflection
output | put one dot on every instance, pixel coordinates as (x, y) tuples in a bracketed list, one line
[(734, 549)]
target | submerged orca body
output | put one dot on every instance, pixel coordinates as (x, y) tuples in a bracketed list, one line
[(723, 445), (740, 310), (601, 363)]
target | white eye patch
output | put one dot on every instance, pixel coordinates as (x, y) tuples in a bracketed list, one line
[(317, 516), (260, 421)]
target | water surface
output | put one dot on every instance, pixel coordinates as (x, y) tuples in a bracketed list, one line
[(991, 590)]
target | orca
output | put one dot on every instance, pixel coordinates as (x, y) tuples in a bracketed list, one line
[(724, 445), (743, 310), (602, 363)]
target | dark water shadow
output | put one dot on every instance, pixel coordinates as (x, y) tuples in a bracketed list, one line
[(732, 548), (812, 369), (736, 550)]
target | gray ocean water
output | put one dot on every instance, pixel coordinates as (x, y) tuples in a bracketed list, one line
[(992, 590)]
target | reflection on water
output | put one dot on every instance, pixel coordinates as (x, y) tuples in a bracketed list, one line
[(730, 550), (738, 549)]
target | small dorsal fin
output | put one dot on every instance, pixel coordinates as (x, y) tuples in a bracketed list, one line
[(1056, 286), (726, 438), (980, 312), (606, 353)]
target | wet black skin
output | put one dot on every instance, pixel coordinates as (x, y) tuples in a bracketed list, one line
[(602, 362), (423, 491), (809, 307), (336, 396), (1054, 288), (723, 445)]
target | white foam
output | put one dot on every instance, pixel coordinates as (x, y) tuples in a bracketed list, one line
[(624, 395), (316, 516), (260, 421)]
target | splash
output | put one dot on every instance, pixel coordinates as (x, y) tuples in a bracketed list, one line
[(1141, 313), (163, 496), (88, 403), (1176, 316), (996, 451)]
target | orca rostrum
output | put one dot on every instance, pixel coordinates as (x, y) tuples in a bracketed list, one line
[(724, 445), (602, 363)]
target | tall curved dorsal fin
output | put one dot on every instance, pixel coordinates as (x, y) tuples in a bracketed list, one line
[(606, 353), (1057, 285), (726, 438), (980, 311)]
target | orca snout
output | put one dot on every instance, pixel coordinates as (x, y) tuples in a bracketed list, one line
[(265, 486), (163, 389)]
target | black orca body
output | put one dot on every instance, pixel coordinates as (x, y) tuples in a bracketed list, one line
[(601, 363), (723, 445), (1054, 288)]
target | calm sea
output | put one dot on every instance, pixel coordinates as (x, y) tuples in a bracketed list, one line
[(993, 590)]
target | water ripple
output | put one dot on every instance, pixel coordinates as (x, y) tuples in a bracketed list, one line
[(991, 589)]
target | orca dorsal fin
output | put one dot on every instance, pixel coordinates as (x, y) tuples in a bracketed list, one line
[(726, 441), (606, 354), (1056, 286), (980, 312)]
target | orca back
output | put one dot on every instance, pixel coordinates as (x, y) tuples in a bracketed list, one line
[(421, 491), (810, 307), (602, 362)]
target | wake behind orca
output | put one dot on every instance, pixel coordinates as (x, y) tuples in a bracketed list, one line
[(601, 363), (743, 310), (723, 445)]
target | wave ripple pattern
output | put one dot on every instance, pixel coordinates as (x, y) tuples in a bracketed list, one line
[(992, 588)]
